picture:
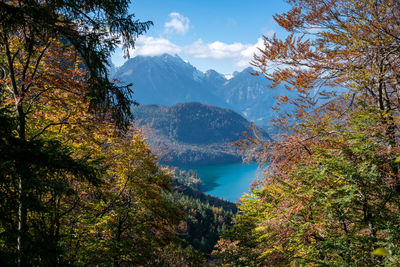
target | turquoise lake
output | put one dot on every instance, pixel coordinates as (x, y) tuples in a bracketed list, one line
[(227, 181)]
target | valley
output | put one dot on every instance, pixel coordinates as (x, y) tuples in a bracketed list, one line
[(191, 121), (273, 141)]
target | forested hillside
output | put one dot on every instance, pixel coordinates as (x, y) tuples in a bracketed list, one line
[(206, 216), (193, 133)]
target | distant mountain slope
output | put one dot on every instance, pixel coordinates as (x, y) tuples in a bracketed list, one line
[(193, 123), (251, 96), (167, 80), (192, 133)]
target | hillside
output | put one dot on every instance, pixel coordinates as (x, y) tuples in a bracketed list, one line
[(206, 216), (192, 133)]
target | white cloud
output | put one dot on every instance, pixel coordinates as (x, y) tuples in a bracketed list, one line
[(151, 46), (178, 24), (253, 49), (244, 62), (240, 53), (248, 53), (215, 50)]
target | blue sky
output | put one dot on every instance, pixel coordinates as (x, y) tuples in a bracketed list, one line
[(220, 34)]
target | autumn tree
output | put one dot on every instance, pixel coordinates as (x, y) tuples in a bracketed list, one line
[(34, 36), (124, 217), (82, 187), (336, 44), (330, 195), (91, 28), (127, 219), (50, 167)]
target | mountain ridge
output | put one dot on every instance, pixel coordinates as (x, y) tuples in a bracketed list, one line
[(168, 80), (165, 80)]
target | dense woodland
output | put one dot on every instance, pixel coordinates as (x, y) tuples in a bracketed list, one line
[(331, 194), (192, 133), (79, 185)]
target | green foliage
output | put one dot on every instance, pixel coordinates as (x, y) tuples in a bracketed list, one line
[(238, 244), (77, 185), (93, 28), (187, 179), (335, 207), (203, 222), (205, 216), (51, 171)]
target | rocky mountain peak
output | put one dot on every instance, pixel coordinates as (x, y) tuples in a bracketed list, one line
[(168, 79)]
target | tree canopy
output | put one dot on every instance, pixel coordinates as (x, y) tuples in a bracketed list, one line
[(331, 192), (78, 183), (93, 29)]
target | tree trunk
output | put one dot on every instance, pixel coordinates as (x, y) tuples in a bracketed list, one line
[(21, 121), (21, 194)]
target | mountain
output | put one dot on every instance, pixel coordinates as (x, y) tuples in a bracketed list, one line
[(167, 80), (250, 96), (192, 133), (112, 69), (214, 79)]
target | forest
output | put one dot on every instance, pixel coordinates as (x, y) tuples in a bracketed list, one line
[(190, 134), (79, 185)]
